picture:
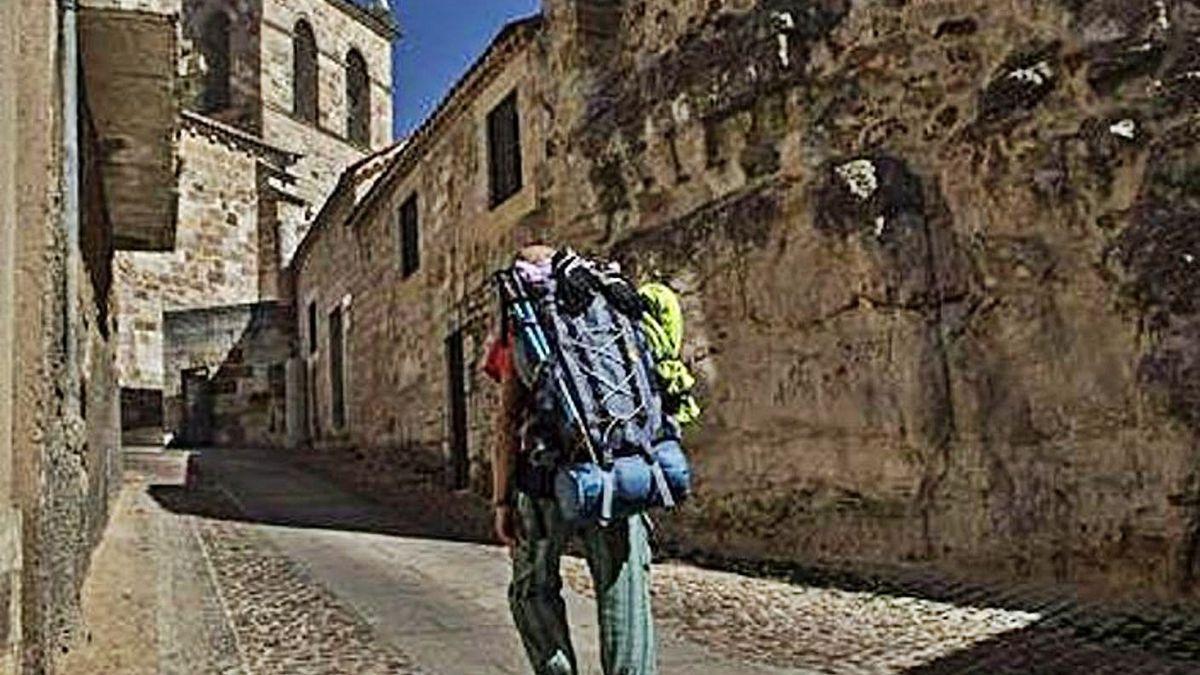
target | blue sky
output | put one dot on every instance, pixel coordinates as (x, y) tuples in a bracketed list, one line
[(441, 39)]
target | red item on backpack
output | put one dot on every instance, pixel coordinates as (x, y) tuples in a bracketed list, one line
[(498, 364)]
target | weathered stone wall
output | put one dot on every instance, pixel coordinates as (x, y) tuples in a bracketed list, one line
[(215, 261), (936, 261), (336, 32), (10, 526), (396, 369), (324, 148), (150, 6), (936, 268), (242, 352), (245, 110), (57, 453)]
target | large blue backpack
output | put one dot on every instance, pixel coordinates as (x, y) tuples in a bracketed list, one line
[(598, 416)]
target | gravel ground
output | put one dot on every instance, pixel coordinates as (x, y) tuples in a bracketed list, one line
[(284, 623), (840, 621), (847, 632)]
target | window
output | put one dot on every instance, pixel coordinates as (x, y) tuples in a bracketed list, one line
[(215, 48), (410, 237), (312, 328), (504, 150), (304, 72), (337, 373), (358, 99)]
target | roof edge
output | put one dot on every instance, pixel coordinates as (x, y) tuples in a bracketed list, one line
[(380, 21), (518, 32), (415, 144)]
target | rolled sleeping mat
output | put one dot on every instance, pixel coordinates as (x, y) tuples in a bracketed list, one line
[(579, 488), (678, 472)]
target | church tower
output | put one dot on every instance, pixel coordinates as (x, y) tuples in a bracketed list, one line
[(280, 96)]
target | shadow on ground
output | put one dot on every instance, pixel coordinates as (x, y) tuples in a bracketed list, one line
[(417, 511), (1043, 649), (1084, 635)]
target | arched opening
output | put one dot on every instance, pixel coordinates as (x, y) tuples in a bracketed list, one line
[(304, 72), (358, 99), (215, 47)]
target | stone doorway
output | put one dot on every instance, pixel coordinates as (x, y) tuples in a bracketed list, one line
[(459, 464), (197, 408)]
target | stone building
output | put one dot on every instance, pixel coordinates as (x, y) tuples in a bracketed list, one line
[(71, 154), (398, 248), (938, 259), (280, 96)]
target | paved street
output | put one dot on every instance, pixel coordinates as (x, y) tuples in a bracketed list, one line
[(264, 567)]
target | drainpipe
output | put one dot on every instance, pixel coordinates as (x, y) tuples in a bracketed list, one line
[(69, 216)]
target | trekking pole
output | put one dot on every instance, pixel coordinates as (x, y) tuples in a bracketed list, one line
[(514, 296)]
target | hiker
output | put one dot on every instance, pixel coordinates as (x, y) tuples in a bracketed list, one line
[(535, 523)]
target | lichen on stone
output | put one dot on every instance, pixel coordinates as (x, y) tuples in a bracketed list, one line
[(860, 177)]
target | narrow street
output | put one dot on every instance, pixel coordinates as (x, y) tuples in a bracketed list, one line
[(263, 567)]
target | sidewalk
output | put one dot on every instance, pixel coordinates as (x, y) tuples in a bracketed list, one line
[(150, 604), (180, 586)]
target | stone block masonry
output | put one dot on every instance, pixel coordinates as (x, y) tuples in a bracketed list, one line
[(933, 258), (215, 261), (323, 148), (226, 375), (254, 173), (912, 262)]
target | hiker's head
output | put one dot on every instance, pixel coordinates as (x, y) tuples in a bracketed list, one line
[(535, 253)]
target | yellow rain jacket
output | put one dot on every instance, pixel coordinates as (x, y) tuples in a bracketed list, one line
[(663, 326)]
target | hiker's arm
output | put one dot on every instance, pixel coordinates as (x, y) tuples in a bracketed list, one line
[(508, 420)]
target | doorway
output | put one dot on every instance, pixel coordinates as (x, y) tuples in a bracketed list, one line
[(459, 469), (197, 408)]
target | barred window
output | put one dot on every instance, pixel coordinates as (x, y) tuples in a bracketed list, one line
[(410, 237), (304, 72), (504, 150)]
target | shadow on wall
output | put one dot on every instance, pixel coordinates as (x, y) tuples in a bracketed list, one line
[(226, 384)]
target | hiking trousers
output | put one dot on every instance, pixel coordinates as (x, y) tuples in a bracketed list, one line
[(618, 557)]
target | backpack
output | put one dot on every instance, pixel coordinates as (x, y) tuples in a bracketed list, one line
[(598, 417)]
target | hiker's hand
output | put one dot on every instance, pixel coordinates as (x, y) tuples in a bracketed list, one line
[(506, 526)]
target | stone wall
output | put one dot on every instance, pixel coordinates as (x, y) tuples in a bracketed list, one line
[(324, 149), (937, 251), (10, 528), (215, 261), (396, 327), (336, 32), (235, 360), (244, 109), (58, 408)]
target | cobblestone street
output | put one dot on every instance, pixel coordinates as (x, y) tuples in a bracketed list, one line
[(263, 567)]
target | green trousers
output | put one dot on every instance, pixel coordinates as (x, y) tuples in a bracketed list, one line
[(618, 557)]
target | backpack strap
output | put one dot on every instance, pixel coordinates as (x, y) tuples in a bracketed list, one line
[(606, 496), (664, 488)]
